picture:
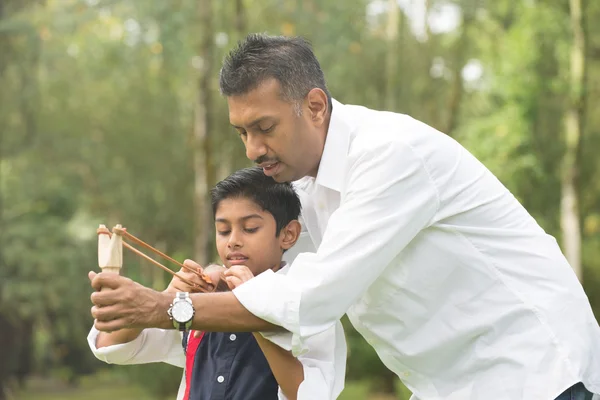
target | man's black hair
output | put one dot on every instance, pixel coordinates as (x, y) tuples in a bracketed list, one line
[(278, 199), (289, 60)]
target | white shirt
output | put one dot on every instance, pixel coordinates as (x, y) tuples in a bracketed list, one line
[(458, 289), (324, 364)]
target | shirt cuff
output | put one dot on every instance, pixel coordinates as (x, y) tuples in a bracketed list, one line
[(281, 339), (114, 354), (257, 296)]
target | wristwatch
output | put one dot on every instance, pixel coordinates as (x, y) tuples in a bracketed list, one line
[(182, 311)]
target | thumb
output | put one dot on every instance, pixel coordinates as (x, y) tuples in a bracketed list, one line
[(91, 275)]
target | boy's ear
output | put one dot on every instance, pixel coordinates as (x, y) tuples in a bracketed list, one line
[(290, 234)]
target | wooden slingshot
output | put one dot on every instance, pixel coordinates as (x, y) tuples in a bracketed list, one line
[(110, 256)]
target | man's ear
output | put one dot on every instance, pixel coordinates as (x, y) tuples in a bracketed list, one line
[(317, 103), (290, 234)]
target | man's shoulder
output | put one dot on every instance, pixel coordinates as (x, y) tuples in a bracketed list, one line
[(373, 130)]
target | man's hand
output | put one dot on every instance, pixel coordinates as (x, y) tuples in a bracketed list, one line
[(127, 305), (236, 275)]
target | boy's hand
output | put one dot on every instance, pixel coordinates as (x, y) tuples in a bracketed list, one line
[(236, 275), (178, 285)]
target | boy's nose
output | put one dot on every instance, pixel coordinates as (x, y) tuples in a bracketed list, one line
[(234, 241)]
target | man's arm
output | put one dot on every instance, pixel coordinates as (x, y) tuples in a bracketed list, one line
[(390, 198), (126, 335), (133, 306)]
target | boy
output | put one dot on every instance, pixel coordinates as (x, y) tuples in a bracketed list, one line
[(256, 221)]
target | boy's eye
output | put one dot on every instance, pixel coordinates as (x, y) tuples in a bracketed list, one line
[(223, 233), (251, 230)]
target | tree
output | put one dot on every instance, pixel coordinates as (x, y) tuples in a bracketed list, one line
[(569, 207), (203, 162)]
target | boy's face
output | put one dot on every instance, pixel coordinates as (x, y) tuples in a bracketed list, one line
[(246, 235)]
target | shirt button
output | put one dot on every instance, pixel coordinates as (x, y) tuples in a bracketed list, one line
[(407, 374), (220, 379), (232, 337)]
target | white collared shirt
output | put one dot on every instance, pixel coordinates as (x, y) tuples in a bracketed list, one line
[(437, 265), (324, 364)]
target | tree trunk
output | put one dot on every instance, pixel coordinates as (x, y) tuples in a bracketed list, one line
[(227, 152), (457, 89), (3, 62), (240, 19), (569, 207), (203, 169), (391, 65)]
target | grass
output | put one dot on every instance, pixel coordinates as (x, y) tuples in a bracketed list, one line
[(103, 388), (89, 389)]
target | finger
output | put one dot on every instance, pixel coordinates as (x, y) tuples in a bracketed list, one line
[(214, 275), (107, 314), (91, 275), (200, 286), (105, 298), (240, 271), (193, 264), (229, 282), (101, 280), (233, 282), (94, 312), (205, 286)]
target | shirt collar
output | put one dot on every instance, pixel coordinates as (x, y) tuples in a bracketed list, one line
[(332, 167)]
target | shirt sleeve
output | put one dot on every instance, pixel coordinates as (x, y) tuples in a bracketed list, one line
[(152, 345), (324, 364), (389, 198)]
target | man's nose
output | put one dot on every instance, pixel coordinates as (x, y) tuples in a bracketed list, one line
[(255, 147)]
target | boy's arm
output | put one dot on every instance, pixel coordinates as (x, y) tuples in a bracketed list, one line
[(317, 374), (286, 368), (152, 345), (323, 364), (138, 346), (105, 339)]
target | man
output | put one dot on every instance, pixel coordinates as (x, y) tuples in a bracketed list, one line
[(437, 265)]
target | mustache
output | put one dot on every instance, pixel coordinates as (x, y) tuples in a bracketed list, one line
[(265, 159)]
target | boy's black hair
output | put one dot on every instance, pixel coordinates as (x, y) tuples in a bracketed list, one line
[(278, 199)]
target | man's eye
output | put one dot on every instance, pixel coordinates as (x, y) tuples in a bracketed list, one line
[(223, 233), (251, 230), (267, 130)]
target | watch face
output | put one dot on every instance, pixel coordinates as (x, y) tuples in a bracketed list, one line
[(182, 311)]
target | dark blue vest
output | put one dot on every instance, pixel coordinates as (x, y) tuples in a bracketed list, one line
[(231, 366)]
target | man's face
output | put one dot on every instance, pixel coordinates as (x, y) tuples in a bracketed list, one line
[(245, 235), (286, 145)]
